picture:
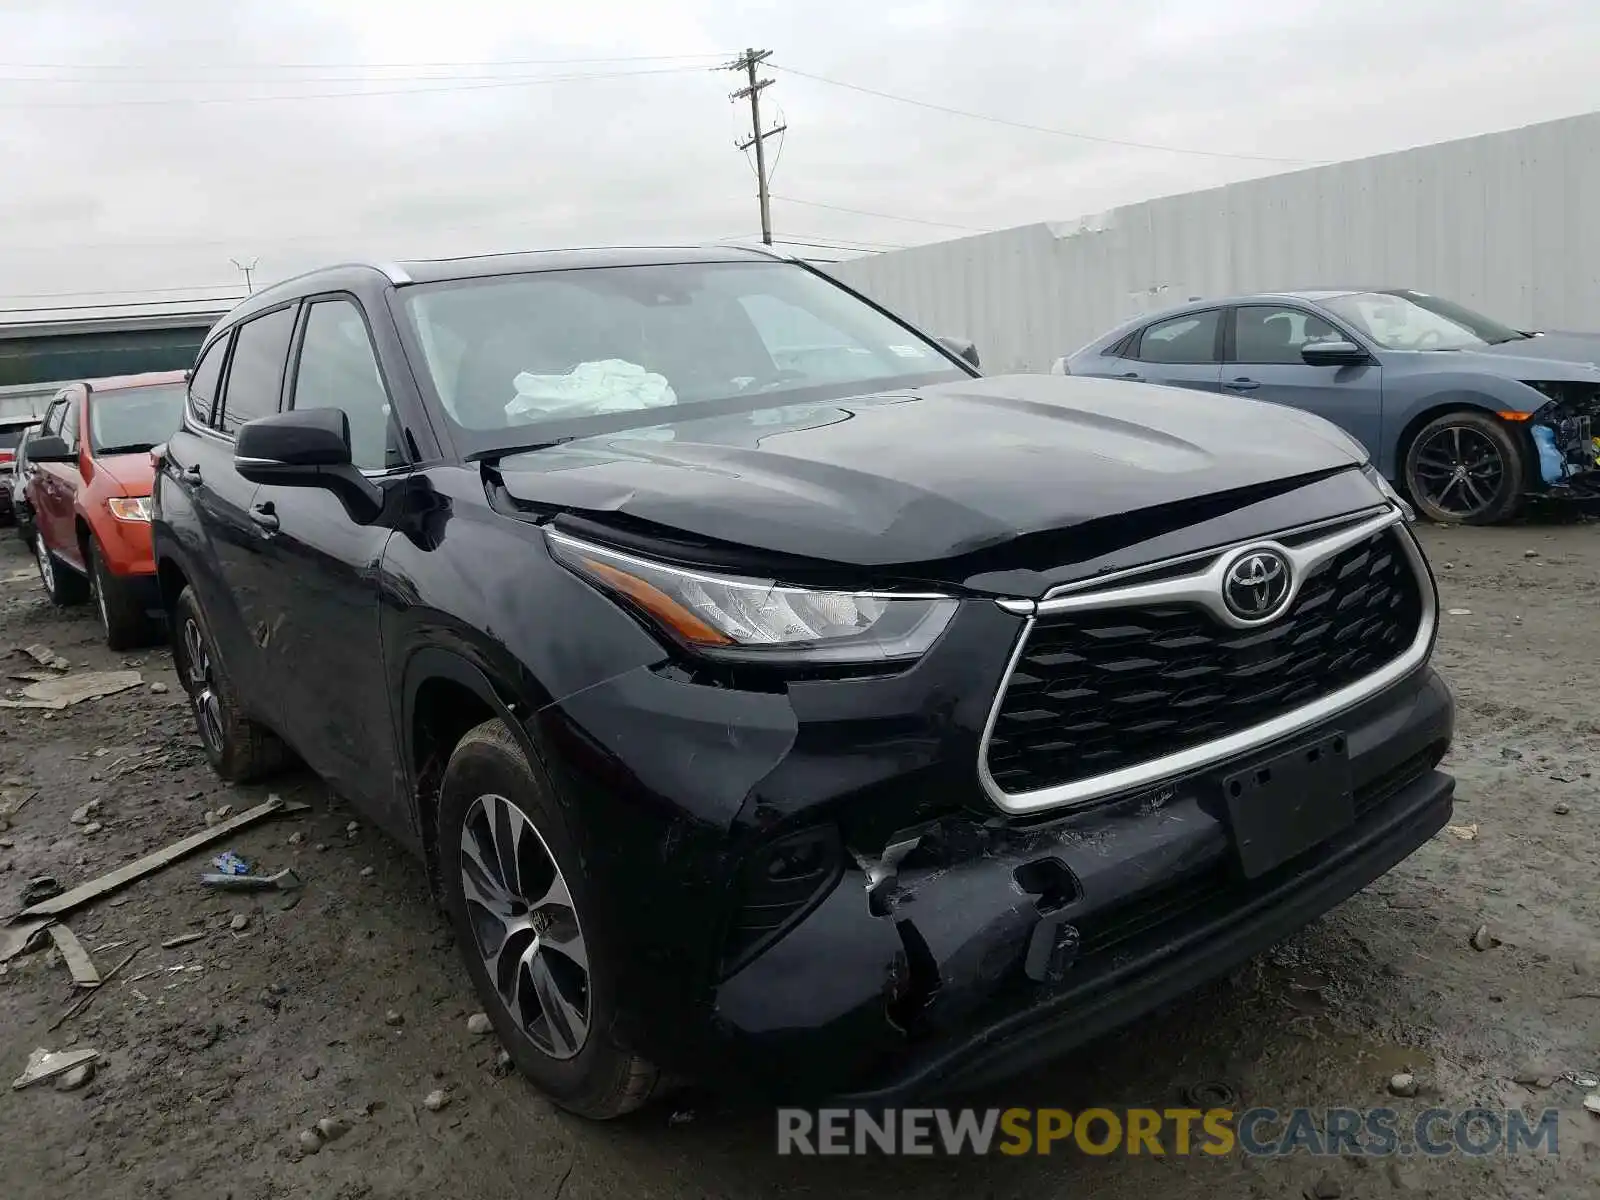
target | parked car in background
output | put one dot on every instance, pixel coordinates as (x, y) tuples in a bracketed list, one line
[(90, 496), (1467, 415), (825, 724), (12, 432), (21, 472)]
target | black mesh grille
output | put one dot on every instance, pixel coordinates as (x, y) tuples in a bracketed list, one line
[(1098, 690)]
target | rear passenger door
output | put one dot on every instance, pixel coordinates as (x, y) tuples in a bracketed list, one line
[(239, 378), (1263, 362), (1182, 351), (324, 655)]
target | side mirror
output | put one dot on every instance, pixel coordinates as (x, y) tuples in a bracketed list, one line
[(1332, 354), (50, 448), (306, 447), (961, 348)]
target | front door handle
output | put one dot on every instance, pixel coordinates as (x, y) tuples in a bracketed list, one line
[(1130, 375), (190, 474), (265, 515), (1242, 385)]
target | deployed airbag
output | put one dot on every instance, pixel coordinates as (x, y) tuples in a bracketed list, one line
[(611, 385)]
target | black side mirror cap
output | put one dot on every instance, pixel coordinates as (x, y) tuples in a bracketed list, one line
[(962, 349), (306, 447), (50, 448), (1333, 354)]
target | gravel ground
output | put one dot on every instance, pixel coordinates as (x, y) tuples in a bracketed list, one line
[(219, 1053)]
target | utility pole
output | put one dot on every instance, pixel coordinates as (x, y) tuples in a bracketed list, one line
[(758, 136), (248, 269)]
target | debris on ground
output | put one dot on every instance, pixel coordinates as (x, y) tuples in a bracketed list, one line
[(183, 939), (20, 939), (67, 690), (39, 889), (1482, 939), (82, 1002), (682, 1117), (84, 813), (1578, 1079), (479, 1024), (76, 1078), (60, 902), (393, 1018), (310, 1141), (229, 863), (76, 957), (1460, 612), (1592, 1103), (368, 872), (1209, 1094), (436, 1100), (1403, 1085), (1562, 808), (284, 881), (47, 657), (44, 1065), (1467, 833), (158, 689), (239, 923), (333, 1128), (503, 1065)]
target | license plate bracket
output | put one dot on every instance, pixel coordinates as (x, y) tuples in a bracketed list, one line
[(1282, 806)]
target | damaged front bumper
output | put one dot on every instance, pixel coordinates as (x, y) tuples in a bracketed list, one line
[(1566, 461), (969, 950)]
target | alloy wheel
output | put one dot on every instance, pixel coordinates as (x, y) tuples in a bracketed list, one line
[(47, 570), (1459, 470), (202, 685), (525, 926)]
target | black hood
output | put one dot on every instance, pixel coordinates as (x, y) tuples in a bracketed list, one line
[(935, 474), (1581, 348)]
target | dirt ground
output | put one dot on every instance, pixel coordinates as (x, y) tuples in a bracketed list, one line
[(217, 1054)]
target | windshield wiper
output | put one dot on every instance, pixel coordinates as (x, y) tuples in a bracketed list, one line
[(129, 448), (498, 452)]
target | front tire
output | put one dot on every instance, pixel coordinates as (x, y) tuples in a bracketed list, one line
[(122, 614), (524, 919), (238, 749), (1465, 468)]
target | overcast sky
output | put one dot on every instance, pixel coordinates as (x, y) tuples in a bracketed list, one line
[(146, 143)]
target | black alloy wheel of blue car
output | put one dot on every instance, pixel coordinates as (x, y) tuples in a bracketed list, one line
[(1465, 468)]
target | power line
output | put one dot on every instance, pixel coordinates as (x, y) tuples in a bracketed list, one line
[(1066, 133), (527, 81), (202, 287), (230, 301), (801, 239), (865, 212), (357, 66)]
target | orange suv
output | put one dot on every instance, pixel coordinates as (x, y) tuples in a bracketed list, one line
[(90, 495)]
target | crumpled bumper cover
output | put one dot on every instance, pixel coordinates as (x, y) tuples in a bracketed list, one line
[(990, 948)]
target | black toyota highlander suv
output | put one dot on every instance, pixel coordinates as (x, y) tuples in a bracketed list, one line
[(775, 700)]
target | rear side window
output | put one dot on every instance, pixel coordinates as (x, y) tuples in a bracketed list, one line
[(1191, 338), (255, 372), (203, 383)]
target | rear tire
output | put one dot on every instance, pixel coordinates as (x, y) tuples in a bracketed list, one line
[(62, 584), (531, 933), (122, 614), (1465, 468), (238, 748)]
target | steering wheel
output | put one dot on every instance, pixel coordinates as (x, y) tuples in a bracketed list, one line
[(1428, 337)]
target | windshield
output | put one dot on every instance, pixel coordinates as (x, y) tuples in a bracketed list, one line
[(1407, 320), (522, 359), (128, 420)]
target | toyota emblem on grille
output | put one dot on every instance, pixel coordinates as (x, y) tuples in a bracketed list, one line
[(1257, 584)]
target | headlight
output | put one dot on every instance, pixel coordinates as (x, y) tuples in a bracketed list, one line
[(1389, 494), (129, 508), (758, 620)]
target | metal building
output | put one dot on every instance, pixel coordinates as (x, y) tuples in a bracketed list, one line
[(1505, 222)]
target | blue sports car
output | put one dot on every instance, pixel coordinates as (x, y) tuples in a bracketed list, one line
[(1466, 415)]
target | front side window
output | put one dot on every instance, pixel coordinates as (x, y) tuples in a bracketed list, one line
[(1276, 334), (129, 420), (255, 372), (1191, 338), (524, 357), (339, 369), (53, 417), (1416, 321), (69, 422)]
